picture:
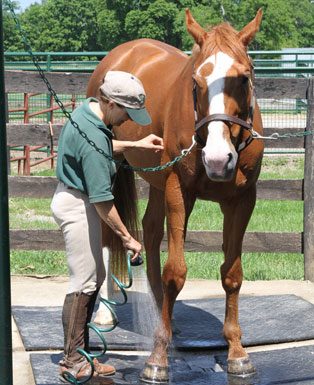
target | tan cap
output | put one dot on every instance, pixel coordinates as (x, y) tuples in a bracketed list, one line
[(128, 91)]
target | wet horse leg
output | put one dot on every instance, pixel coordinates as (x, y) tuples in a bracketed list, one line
[(173, 279), (153, 232), (237, 214)]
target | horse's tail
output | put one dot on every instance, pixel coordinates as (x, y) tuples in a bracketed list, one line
[(125, 199)]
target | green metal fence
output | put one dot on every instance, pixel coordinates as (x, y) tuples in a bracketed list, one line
[(293, 62), (296, 63)]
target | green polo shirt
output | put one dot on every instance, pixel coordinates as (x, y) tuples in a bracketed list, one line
[(79, 165)]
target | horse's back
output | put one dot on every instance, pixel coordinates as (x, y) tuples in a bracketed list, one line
[(152, 61)]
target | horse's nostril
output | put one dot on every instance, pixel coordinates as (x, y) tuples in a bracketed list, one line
[(230, 157)]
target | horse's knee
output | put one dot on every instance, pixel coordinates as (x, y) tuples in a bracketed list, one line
[(231, 285), (231, 276), (174, 279)]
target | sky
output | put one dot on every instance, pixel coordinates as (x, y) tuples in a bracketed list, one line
[(26, 3)]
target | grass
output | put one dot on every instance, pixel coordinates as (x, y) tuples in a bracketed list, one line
[(282, 167), (268, 216)]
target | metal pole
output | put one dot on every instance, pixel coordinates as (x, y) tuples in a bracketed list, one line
[(5, 284)]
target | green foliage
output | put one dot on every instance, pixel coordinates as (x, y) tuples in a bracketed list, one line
[(60, 25), (109, 31), (12, 39), (155, 22)]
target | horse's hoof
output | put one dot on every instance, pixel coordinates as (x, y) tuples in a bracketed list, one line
[(154, 374), (242, 380), (241, 367)]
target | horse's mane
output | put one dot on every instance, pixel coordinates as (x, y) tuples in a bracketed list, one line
[(222, 37)]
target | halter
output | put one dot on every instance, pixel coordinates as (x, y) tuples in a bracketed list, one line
[(247, 125)]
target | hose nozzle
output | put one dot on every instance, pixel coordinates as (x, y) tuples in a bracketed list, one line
[(138, 261)]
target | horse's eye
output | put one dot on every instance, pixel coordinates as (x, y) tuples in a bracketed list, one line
[(245, 79)]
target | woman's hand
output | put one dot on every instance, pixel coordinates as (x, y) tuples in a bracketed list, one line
[(150, 142), (133, 245)]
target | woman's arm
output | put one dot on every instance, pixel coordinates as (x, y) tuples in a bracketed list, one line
[(150, 142), (109, 214)]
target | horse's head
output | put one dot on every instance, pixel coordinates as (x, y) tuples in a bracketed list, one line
[(223, 80)]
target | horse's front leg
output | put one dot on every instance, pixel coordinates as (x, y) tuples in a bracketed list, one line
[(237, 214), (153, 232), (173, 278)]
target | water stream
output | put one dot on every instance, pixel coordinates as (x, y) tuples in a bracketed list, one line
[(145, 312)]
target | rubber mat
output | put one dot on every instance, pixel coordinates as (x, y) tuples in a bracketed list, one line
[(197, 324), (293, 366)]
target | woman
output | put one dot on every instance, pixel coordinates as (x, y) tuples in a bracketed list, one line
[(83, 198)]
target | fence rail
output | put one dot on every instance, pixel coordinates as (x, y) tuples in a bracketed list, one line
[(266, 62), (196, 240)]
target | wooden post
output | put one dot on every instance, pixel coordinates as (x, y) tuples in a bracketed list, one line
[(309, 188)]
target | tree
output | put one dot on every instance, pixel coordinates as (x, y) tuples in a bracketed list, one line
[(156, 22), (12, 37), (277, 28), (60, 25), (302, 11), (92, 25), (204, 15)]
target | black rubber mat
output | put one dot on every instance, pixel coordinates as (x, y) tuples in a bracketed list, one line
[(197, 324), (293, 366)]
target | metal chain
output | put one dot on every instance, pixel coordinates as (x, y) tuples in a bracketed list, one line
[(276, 135), (184, 152), (162, 167)]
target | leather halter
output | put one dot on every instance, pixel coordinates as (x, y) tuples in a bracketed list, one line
[(247, 125)]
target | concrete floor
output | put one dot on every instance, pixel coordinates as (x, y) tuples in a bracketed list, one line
[(50, 291)]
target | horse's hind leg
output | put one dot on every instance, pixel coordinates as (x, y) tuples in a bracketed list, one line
[(173, 278), (237, 214), (153, 232)]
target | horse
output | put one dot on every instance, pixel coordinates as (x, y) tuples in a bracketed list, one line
[(208, 96)]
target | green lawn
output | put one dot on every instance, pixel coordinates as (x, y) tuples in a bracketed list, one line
[(268, 216)]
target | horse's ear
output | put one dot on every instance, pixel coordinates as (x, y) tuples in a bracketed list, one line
[(194, 29), (249, 31)]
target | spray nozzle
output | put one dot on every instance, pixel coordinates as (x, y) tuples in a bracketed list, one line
[(138, 261)]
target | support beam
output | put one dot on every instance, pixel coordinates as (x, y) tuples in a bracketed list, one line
[(308, 188), (5, 281)]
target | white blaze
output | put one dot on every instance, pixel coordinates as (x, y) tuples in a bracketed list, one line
[(217, 149)]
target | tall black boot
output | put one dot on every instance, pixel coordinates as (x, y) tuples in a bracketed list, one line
[(90, 310), (74, 318), (77, 312)]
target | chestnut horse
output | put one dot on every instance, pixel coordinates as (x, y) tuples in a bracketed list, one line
[(210, 92)]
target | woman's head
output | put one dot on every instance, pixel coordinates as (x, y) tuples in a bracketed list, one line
[(123, 97)]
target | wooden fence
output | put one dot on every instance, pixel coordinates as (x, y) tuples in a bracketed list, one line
[(266, 88)]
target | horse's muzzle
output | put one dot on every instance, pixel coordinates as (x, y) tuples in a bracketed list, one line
[(220, 168)]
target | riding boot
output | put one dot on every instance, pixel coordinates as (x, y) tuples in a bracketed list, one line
[(77, 312), (101, 369), (90, 310), (74, 316)]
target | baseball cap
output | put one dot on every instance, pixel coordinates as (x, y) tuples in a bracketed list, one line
[(127, 90)]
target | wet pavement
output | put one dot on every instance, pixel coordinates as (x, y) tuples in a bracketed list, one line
[(278, 361)]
